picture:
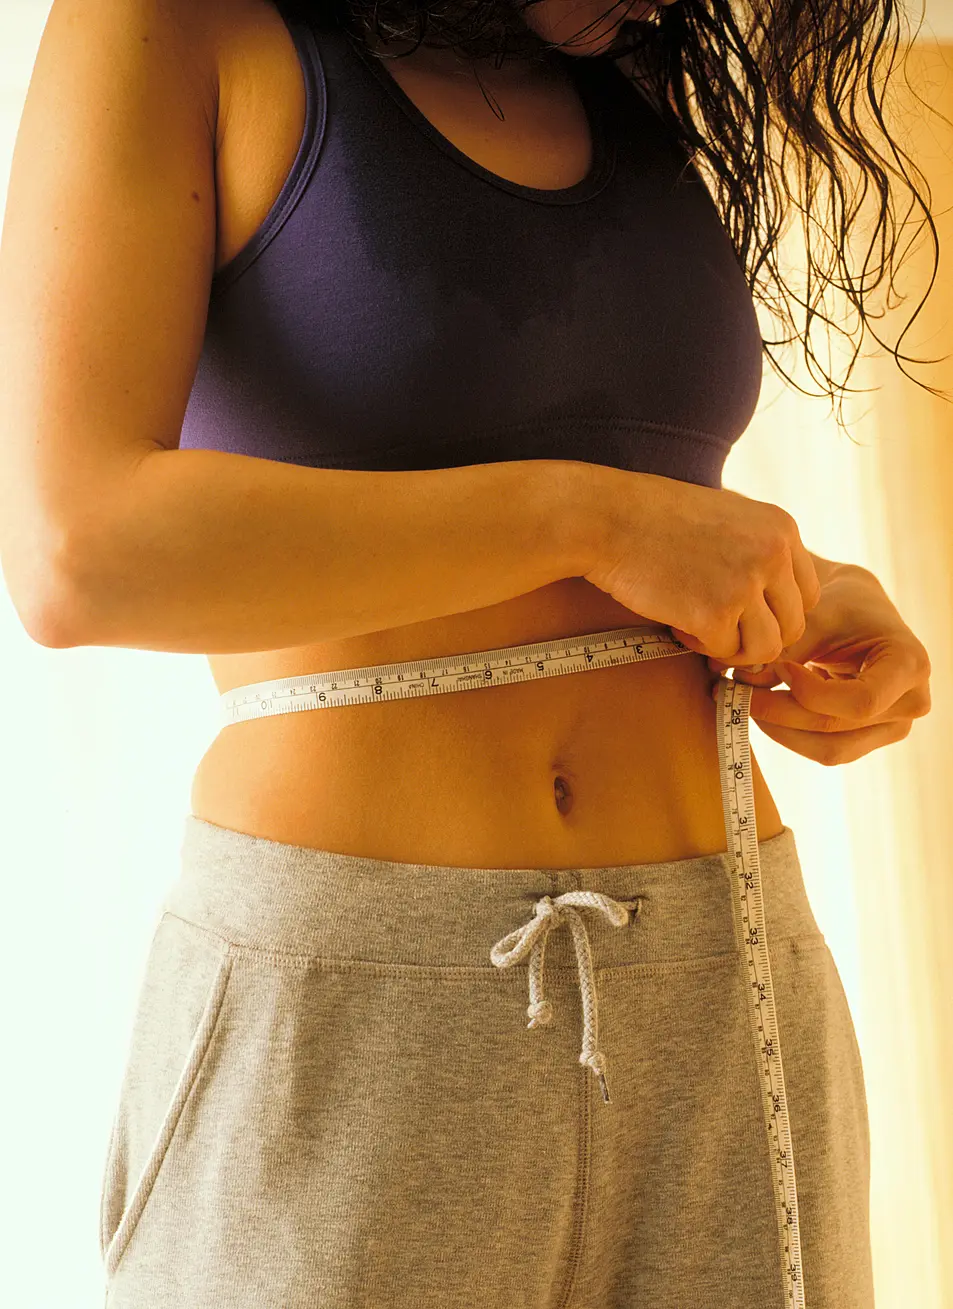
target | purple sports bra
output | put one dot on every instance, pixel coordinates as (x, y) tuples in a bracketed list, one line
[(401, 307)]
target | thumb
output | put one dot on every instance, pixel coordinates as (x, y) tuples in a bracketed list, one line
[(757, 674)]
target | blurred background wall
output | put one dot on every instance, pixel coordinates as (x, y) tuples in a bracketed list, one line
[(99, 747)]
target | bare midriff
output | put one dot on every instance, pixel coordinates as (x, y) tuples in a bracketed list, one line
[(611, 766)]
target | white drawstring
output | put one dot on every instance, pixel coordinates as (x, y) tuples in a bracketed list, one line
[(532, 936)]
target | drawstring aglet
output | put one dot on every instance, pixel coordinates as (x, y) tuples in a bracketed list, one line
[(597, 1063)]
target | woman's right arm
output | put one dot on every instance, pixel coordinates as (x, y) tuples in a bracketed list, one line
[(109, 534), (224, 553)]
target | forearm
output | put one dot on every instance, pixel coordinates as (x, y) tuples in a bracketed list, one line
[(202, 551)]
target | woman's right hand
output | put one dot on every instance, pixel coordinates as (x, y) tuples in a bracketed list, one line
[(729, 575)]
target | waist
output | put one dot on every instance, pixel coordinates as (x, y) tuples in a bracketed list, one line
[(568, 607), (616, 765)]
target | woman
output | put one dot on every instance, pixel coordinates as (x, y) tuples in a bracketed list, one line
[(391, 359)]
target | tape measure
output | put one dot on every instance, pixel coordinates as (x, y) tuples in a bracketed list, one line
[(526, 663)]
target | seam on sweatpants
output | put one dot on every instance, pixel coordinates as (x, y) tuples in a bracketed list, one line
[(580, 1208)]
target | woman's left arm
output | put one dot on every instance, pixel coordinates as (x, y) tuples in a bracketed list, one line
[(858, 676)]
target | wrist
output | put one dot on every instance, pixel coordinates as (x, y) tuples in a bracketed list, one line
[(829, 570), (578, 518)]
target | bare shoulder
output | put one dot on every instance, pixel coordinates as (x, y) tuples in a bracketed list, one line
[(179, 36), (203, 44)]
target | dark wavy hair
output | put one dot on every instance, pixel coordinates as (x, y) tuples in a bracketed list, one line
[(729, 77)]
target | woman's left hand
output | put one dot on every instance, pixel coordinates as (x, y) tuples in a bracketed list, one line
[(858, 676)]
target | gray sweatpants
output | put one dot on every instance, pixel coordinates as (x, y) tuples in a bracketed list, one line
[(333, 1100)]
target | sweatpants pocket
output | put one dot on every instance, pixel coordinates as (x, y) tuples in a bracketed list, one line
[(186, 976), (358, 1135)]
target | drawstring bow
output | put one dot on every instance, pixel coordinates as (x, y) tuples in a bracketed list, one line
[(550, 912)]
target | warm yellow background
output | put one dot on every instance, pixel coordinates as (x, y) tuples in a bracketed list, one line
[(875, 835)]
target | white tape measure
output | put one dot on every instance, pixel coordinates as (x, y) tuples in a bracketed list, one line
[(525, 663)]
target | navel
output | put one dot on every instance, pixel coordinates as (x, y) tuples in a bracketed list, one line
[(563, 793)]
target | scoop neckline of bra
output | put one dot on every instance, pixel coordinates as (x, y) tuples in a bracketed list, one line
[(602, 164)]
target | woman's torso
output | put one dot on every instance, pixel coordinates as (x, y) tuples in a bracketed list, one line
[(614, 766)]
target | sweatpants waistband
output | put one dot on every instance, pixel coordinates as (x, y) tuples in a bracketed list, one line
[(273, 896)]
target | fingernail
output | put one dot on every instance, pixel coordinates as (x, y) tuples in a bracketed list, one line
[(756, 668)]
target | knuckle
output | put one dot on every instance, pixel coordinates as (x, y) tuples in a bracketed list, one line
[(718, 630), (786, 527), (777, 550), (777, 514), (919, 661), (923, 705), (829, 753)]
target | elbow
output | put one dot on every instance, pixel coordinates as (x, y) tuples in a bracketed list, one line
[(50, 622), (45, 602), (52, 626)]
